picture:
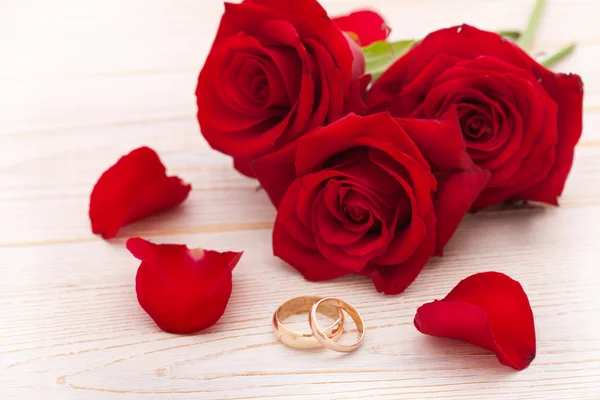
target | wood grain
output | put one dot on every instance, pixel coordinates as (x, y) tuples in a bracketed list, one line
[(84, 82)]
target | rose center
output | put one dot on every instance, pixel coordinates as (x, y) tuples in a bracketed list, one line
[(356, 214), (475, 124), (478, 128), (259, 88)]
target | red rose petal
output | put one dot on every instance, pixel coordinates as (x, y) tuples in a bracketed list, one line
[(489, 310), (456, 193), (276, 172), (242, 165), (568, 90), (358, 92), (289, 242), (316, 148), (364, 26), (183, 290), (440, 141), (395, 280), (135, 187)]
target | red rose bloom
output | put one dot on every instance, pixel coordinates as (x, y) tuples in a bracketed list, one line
[(369, 195), (135, 187), (489, 310), (520, 121), (183, 290), (277, 69)]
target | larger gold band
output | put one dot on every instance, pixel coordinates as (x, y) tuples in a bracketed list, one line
[(300, 340)]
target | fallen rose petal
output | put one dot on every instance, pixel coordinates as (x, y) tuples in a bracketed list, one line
[(364, 26), (489, 310), (183, 290), (135, 187)]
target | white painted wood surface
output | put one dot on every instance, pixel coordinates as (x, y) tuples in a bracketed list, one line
[(83, 82)]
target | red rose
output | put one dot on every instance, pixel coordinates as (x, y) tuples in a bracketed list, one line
[(183, 290), (277, 69), (520, 120), (369, 195)]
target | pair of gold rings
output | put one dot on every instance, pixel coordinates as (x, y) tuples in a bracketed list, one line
[(330, 306)]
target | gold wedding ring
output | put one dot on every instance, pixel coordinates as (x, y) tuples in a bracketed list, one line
[(322, 336), (299, 305)]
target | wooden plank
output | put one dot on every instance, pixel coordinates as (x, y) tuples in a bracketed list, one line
[(76, 326)]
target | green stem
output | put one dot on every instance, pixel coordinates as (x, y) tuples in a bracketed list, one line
[(510, 34), (559, 55), (526, 40)]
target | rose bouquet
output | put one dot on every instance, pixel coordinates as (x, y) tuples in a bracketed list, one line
[(372, 152), (463, 120)]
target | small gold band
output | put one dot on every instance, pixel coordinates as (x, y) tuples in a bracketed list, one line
[(299, 305), (322, 336)]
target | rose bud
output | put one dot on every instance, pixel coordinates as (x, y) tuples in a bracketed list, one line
[(135, 187), (364, 26), (277, 68), (520, 120), (183, 290), (489, 310), (360, 197)]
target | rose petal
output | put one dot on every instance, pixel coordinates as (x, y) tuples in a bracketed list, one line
[(135, 187), (243, 166), (413, 94), (311, 264), (357, 95), (331, 95), (441, 142), (183, 290), (568, 92), (364, 26), (395, 279), (309, 15), (316, 148), (455, 195), (489, 310), (276, 172)]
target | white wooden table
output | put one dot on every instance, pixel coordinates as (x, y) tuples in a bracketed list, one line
[(83, 82)]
